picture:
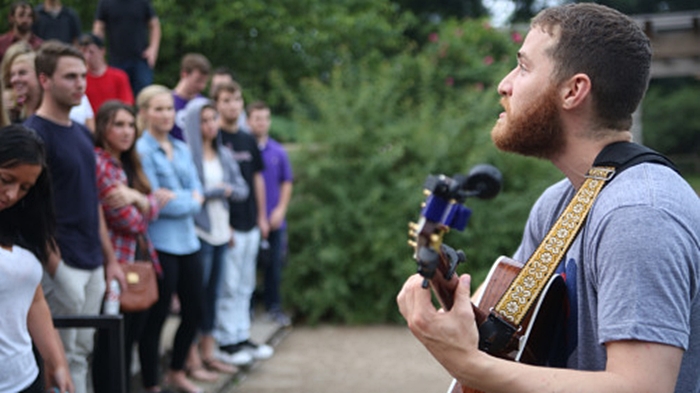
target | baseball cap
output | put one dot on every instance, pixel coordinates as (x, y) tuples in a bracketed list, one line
[(89, 38)]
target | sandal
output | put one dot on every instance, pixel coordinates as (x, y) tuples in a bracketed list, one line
[(215, 365)]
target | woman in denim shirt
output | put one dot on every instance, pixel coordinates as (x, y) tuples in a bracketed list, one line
[(168, 164)]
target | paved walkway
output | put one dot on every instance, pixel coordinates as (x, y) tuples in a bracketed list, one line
[(341, 359)]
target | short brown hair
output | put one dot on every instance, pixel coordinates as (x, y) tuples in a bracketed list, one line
[(256, 106), (229, 87), (606, 45), (48, 54), (19, 5), (195, 61)]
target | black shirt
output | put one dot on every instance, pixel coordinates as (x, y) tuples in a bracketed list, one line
[(244, 214)]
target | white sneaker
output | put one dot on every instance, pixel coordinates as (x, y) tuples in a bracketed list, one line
[(257, 351), (235, 354)]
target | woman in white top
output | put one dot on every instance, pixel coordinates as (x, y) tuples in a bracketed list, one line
[(26, 233), (222, 182)]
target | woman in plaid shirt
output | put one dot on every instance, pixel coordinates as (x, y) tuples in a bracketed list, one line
[(128, 203)]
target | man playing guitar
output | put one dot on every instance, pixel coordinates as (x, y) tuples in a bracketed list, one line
[(633, 270)]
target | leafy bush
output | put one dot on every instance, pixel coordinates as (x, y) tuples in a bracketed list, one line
[(294, 38), (368, 139), (678, 133)]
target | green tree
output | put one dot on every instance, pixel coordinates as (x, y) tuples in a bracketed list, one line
[(677, 134), (368, 139), (295, 39), (432, 13)]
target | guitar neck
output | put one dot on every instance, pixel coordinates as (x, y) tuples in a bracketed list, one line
[(444, 283)]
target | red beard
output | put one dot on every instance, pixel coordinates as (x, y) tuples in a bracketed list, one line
[(536, 131)]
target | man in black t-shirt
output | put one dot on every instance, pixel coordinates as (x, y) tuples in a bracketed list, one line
[(249, 223), (133, 34), (55, 21)]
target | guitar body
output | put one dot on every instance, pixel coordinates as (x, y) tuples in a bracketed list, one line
[(542, 335)]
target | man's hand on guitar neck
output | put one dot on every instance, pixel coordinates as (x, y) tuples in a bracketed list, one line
[(452, 338)]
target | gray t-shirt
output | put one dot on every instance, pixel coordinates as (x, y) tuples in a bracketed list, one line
[(633, 271)]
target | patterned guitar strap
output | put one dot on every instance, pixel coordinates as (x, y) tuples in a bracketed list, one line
[(505, 319)]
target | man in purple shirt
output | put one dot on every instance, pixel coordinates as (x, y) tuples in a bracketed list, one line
[(194, 75), (278, 191)]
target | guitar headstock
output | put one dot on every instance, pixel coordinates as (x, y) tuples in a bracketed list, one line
[(442, 211)]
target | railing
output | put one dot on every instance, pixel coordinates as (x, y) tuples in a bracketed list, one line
[(113, 326)]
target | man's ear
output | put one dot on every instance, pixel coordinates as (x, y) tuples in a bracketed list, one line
[(575, 91), (43, 80)]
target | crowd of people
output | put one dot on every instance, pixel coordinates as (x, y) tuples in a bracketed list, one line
[(121, 169)]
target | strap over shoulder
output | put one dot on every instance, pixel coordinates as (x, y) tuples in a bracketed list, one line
[(622, 155)]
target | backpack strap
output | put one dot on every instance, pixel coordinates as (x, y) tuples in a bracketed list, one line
[(622, 155)]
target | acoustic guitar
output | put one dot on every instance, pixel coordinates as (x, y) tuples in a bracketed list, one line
[(539, 338)]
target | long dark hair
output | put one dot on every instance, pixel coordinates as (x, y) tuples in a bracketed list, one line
[(129, 159), (30, 222)]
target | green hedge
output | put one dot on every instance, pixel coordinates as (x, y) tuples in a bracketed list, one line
[(367, 140)]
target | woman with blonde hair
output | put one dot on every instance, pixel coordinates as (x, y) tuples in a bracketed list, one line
[(21, 89), (168, 164)]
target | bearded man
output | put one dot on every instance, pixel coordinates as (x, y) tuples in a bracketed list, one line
[(633, 270), (21, 19)]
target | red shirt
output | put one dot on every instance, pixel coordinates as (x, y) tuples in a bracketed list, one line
[(127, 223), (9, 38), (113, 84)]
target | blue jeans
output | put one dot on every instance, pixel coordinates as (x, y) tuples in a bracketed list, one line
[(213, 265), (273, 270), (140, 74)]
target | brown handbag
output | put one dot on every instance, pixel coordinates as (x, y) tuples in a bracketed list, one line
[(141, 290)]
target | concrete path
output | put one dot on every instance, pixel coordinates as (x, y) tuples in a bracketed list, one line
[(340, 359)]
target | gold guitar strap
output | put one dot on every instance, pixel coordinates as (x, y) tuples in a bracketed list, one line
[(532, 279), (506, 318)]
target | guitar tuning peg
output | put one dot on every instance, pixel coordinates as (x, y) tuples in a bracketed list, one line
[(412, 225), (426, 192), (411, 233), (412, 244), (422, 205)]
